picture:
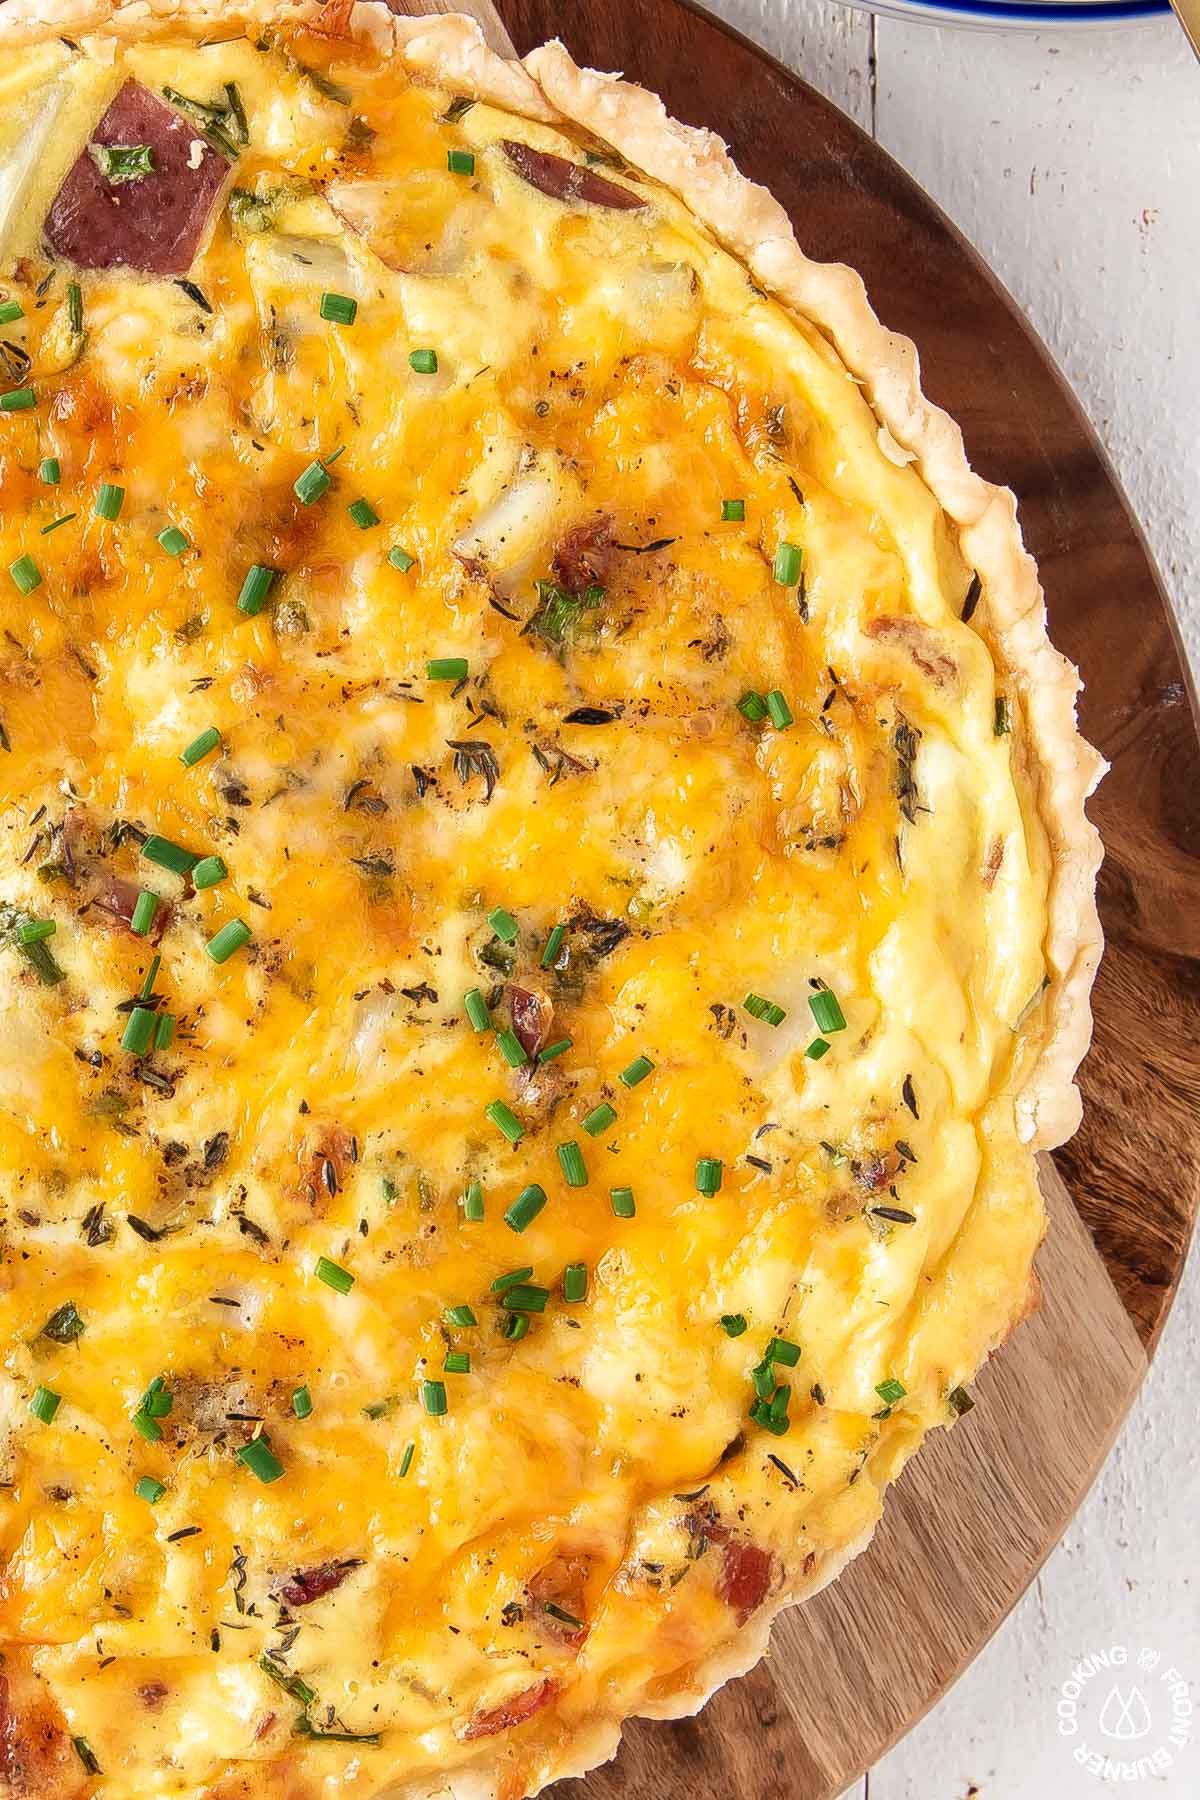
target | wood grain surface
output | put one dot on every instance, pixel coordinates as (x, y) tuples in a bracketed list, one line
[(978, 1511)]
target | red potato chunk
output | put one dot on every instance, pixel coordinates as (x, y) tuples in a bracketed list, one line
[(512, 1712)]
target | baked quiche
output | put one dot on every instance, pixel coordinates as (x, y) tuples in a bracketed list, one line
[(545, 909)]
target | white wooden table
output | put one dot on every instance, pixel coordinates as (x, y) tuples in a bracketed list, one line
[(1072, 162)]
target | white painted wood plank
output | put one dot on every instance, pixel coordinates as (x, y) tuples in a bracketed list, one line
[(826, 42)]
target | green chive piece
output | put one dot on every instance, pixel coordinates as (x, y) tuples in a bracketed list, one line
[(505, 1121), (473, 1202), (312, 482), (231, 937), (173, 541), (406, 1460), (475, 1007), (119, 163), (553, 945), (200, 747), (35, 931), (516, 1326), (575, 1283), (1000, 723), (11, 310), (570, 1161), (752, 706), (164, 1031), (524, 1297), (110, 498), (400, 559), (261, 1460), (257, 585), (339, 309), (786, 567), (26, 574), (433, 1398), (363, 514), (503, 1282), (460, 162), (75, 307), (782, 1350), (733, 511), (86, 1755), (171, 856), (890, 1391), (146, 1427), (639, 1068), (558, 1048), (208, 872), (157, 1400), (780, 711), (62, 519), (423, 362), (50, 471), (763, 1378), (460, 1315), (504, 925), (766, 1010), (446, 668), (511, 1049), (138, 1034), (525, 1208), (709, 1175), (149, 1490), (45, 1404), (302, 1404), (457, 1362), (151, 977), (599, 1119), (18, 400), (826, 1011), (144, 909), (622, 1202), (817, 1049), (733, 1324), (333, 1275)]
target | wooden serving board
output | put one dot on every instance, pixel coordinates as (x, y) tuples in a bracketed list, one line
[(976, 1514)]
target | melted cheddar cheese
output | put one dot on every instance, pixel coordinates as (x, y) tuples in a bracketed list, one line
[(383, 1439)]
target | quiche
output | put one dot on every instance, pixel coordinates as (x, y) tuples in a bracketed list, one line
[(545, 909)]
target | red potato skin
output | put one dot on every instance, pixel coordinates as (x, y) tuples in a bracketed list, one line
[(563, 180), (511, 1712), (154, 224), (744, 1579), (531, 1014), (307, 1585)]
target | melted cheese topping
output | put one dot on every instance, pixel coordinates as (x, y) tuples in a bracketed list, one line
[(595, 1511)]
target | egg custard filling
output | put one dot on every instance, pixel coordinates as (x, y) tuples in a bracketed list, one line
[(523, 922)]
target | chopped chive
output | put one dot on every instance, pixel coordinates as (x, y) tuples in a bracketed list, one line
[(257, 585), (363, 514), (622, 1202), (575, 1283), (460, 1315), (763, 1378), (523, 1297), (780, 711), (423, 362), (231, 937), (110, 498), (167, 855), (766, 1010), (473, 1201), (400, 559), (752, 706), (200, 747), (86, 1755), (709, 1174), (406, 1459), (504, 1282), (157, 1400), (11, 310), (333, 1275), (35, 931), (570, 1161), (457, 1362), (164, 1031), (62, 519), (261, 1460), (558, 1048), (733, 511), (786, 567), (475, 1007), (146, 1488), (18, 400), (639, 1068), (817, 1049), (302, 1404), (599, 1119), (45, 1404), (552, 946), (826, 1011), (525, 1208), (26, 574), (144, 909), (504, 925), (75, 307), (146, 1427), (782, 1350), (119, 163), (339, 309), (50, 471), (138, 1034), (733, 1324), (890, 1391), (151, 977), (312, 482), (1000, 721), (173, 541), (511, 1049), (433, 1398), (208, 872), (460, 162), (446, 668), (516, 1326), (505, 1121)]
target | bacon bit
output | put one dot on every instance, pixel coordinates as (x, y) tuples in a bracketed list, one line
[(562, 1582), (152, 1694), (582, 556), (995, 858), (922, 645), (118, 897), (307, 1585), (323, 1169), (510, 1712), (36, 1757), (744, 1578), (333, 19), (531, 1012)]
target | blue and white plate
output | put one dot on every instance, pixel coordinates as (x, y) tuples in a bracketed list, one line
[(1022, 15)]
